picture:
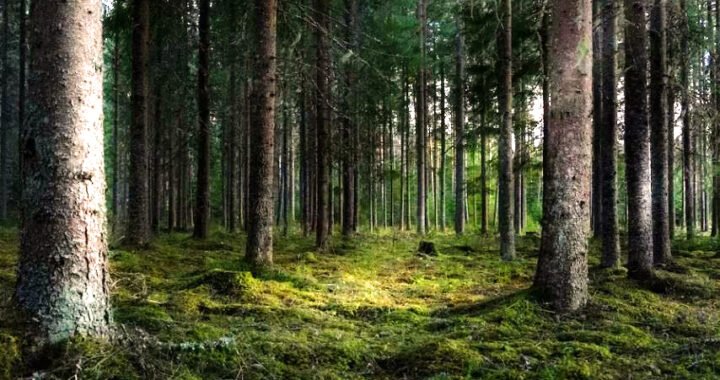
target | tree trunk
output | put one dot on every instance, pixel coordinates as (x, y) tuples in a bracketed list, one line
[(421, 124), (63, 282), (562, 273), (688, 140), (443, 148), (262, 135), (202, 192), (608, 139), (483, 175), (659, 132), (505, 150), (597, 189), (671, 90), (459, 134), (322, 114), (637, 143), (138, 230)]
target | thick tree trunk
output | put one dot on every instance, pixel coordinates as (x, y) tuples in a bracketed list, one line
[(443, 149), (262, 135), (659, 132), (562, 273), (138, 229), (459, 134), (505, 150), (637, 142), (202, 192), (322, 115), (420, 149), (5, 116), (63, 278), (608, 139), (671, 90)]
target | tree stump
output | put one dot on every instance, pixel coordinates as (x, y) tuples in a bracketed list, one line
[(427, 248)]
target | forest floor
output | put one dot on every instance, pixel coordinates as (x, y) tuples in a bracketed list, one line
[(373, 308)]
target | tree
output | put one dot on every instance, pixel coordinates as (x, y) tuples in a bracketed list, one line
[(420, 148), (262, 147), (637, 142), (608, 139), (505, 152), (322, 115), (687, 130), (63, 282), (348, 154), (659, 132), (138, 227), (459, 134), (562, 268), (202, 194)]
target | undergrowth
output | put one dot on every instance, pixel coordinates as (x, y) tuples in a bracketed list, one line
[(373, 308)]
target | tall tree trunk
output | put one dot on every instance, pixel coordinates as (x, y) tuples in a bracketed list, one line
[(5, 115), (262, 132), (637, 142), (138, 229), (459, 133), (659, 132), (483, 175), (322, 114), (671, 90), (443, 148), (562, 273), (202, 192), (608, 138), (348, 155), (421, 124), (688, 140), (597, 189), (505, 150), (63, 281), (156, 165)]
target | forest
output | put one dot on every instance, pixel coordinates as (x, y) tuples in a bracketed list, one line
[(359, 189)]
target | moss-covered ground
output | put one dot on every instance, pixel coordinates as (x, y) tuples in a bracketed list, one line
[(373, 308)]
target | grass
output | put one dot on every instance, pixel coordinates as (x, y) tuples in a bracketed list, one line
[(374, 309)]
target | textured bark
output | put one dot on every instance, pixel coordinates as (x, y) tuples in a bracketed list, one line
[(459, 134), (505, 152), (5, 115), (637, 142), (262, 136), (202, 192), (687, 130), (562, 273), (420, 135), (322, 115), (348, 155), (138, 228), (659, 132), (597, 91), (63, 280), (608, 139)]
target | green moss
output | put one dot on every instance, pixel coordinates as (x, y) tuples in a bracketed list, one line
[(229, 283), (9, 355)]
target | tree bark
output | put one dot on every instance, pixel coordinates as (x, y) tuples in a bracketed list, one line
[(322, 115), (659, 132), (420, 149), (262, 136), (608, 138), (597, 91), (63, 278), (637, 142), (348, 154), (138, 229), (688, 140), (562, 274), (202, 192), (459, 134), (505, 150)]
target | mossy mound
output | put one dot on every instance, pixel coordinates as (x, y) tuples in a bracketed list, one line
[(229, 283), (9, 355)]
